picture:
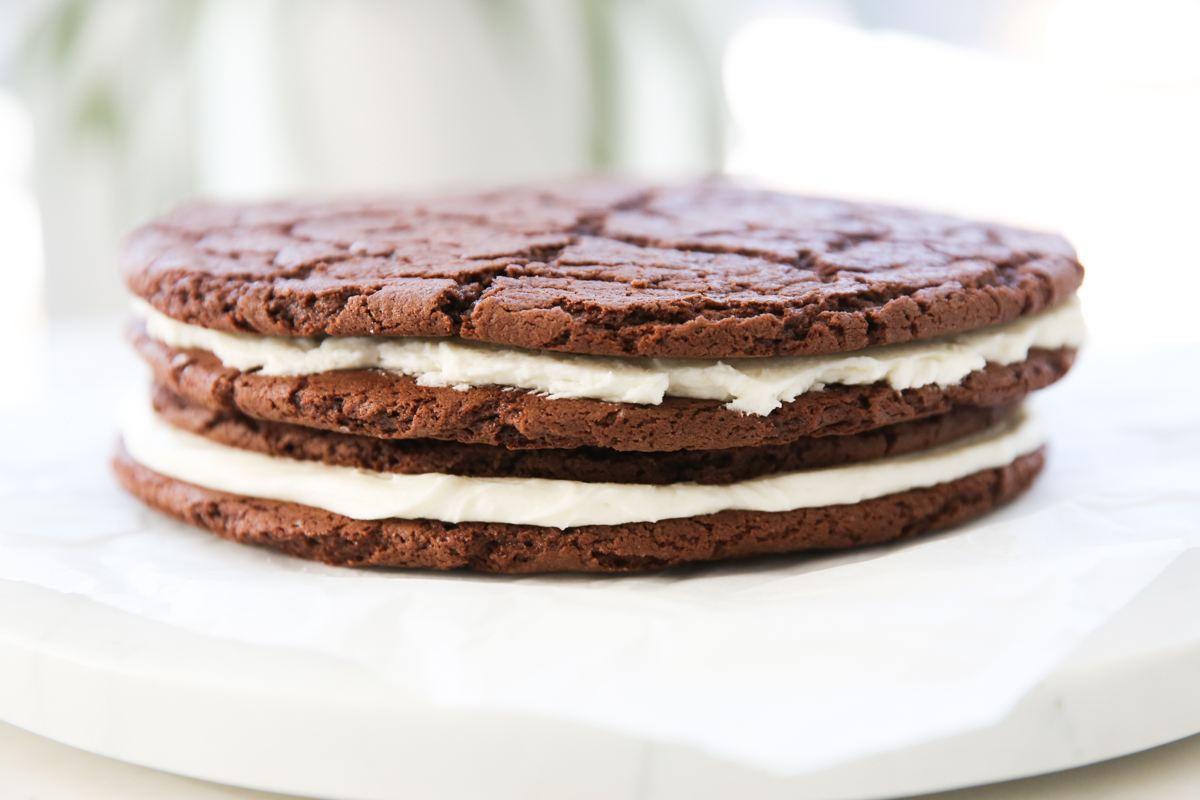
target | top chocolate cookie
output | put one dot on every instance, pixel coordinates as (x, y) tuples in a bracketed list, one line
[(707, 270)]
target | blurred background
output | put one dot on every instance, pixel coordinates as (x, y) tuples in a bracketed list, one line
[(1080, 116)]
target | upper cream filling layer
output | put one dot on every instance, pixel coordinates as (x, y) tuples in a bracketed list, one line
[(753, 385), (361, 494)]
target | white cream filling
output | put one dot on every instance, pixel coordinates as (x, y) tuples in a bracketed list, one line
[(753, 385), (362, 494)]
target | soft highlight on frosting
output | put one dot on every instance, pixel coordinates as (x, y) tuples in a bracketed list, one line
[(750, 385)]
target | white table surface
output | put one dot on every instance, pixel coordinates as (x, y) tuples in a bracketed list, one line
[(34, 768)]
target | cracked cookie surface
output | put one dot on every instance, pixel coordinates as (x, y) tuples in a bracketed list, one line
[(704, 270)]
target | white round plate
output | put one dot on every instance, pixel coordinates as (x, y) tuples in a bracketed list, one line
[(286, 721)]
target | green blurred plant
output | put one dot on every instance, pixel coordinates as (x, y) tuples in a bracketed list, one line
[(511, 23), (111, 85), (103, 57), (675, 18)]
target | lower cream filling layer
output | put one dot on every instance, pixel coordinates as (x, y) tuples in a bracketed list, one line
[(361, 494), (751, 385)]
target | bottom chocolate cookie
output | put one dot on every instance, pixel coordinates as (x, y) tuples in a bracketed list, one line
[(312, 533)]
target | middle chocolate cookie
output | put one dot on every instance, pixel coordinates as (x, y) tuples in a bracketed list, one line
[(587, 464), (381, 404)]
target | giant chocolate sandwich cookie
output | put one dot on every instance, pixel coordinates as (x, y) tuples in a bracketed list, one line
[(589, 375)]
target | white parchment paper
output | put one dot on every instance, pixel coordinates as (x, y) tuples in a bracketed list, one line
[(788, 665)]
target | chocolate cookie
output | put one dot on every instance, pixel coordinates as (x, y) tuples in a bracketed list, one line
[(389, 406), (710, 275), (493, 547), (587, 464), (709, 270)]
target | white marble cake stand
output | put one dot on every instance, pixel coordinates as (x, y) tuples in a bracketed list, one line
[(267, 718), (124, 686)]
